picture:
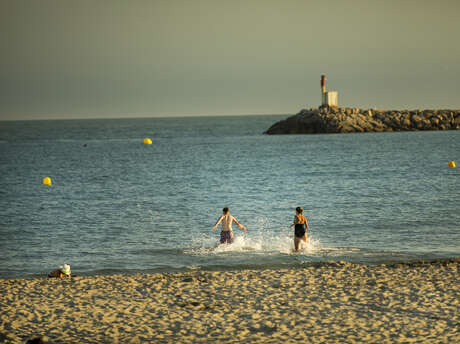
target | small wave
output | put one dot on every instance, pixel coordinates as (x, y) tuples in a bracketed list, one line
[(266, 244), (256, 248)]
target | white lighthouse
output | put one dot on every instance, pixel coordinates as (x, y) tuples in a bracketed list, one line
[(328, 98)]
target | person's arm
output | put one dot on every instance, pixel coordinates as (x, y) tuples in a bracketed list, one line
[(306, 224), (239, 224), (217, 223), (295, 221)]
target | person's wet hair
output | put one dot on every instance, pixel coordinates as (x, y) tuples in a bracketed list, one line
[(299, 210), (225, 210)]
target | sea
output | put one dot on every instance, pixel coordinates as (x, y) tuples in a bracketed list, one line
[(117, 205)]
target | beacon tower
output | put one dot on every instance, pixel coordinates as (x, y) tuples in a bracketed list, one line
[(327, 98)]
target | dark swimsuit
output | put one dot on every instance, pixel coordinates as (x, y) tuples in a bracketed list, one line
[(299, 230)]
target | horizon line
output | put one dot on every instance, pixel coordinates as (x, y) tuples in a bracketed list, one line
[(143, 117)]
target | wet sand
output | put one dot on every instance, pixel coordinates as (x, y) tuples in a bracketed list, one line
[(326, 303)]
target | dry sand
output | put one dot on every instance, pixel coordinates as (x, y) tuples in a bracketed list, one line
[(326, 303)]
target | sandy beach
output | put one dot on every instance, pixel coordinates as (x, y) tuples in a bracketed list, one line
[(323, 303)]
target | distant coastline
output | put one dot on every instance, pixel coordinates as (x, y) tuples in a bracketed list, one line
[(332, 119)]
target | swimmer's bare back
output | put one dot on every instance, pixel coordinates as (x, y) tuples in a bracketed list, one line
[(227, 221)]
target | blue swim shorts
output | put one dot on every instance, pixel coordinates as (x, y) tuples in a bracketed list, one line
[(226, 237)]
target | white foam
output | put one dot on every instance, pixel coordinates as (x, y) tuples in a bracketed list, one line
[(255, 242)]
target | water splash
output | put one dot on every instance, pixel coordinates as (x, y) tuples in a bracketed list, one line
[(262, 240)]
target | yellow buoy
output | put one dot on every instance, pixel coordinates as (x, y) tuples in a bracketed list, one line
[(451, 163), (147, 141), (47, 181)]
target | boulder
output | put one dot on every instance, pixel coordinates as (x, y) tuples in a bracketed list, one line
[(405, 122), (456, 123)]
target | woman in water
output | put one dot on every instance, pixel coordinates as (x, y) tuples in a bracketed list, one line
[(300, 228)]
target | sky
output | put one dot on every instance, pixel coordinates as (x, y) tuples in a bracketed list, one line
[(95, 59)]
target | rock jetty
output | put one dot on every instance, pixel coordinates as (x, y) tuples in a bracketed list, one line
[(352, 120)]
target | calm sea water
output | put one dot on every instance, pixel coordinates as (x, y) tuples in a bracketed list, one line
[(117, 205)]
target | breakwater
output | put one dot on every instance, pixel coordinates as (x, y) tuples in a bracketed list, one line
[(353, 120)]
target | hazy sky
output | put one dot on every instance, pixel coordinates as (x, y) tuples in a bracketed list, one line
[(71, 59)]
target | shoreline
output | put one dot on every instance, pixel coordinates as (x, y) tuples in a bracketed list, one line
[(338, 302), (243, 267), (235, 268)]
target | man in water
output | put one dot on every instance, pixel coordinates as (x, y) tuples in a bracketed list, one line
[(226, 236)]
